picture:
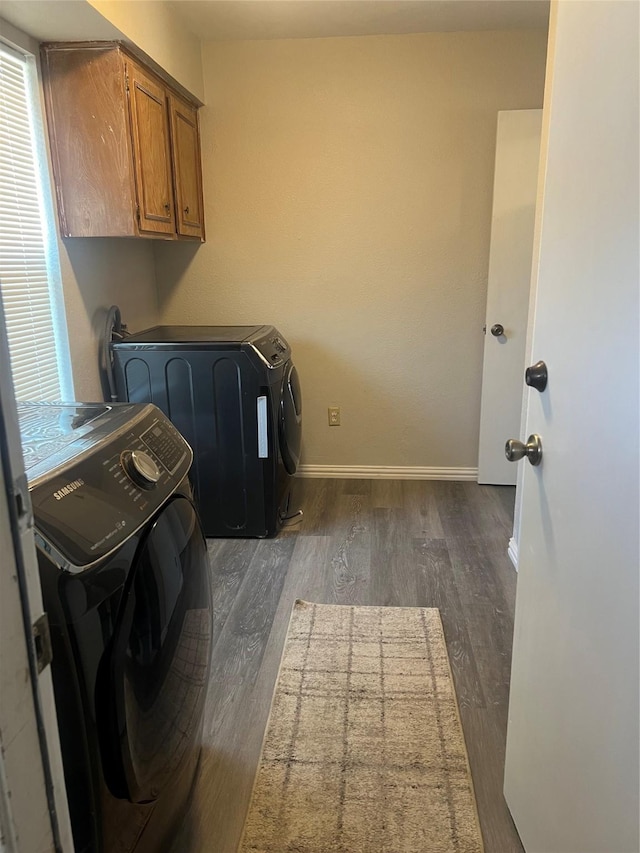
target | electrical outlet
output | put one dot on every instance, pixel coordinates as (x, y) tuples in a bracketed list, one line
[(334, 415)]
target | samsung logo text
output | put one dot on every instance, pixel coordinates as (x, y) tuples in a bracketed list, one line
[(68, 489)]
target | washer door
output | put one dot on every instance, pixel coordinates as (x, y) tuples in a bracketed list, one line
[(160, 658), (290, 421)]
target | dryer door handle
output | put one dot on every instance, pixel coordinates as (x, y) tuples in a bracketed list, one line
[(263, 428)]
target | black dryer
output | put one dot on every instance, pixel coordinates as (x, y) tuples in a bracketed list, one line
[(234, 394)]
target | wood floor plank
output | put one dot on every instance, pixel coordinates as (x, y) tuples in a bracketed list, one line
[(238, 651), (311, 499), (490, 510), (487, 568), (488, 618), (507, 496), (437, 588), (229, 560), (393, 573), (420, 504), (349, 565), (386, 494), (318, 503), (356, 487), (309, 579), (456, 513), (483, 733)]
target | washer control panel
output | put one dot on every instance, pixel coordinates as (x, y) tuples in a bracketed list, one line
[(165, 445), (89, 507)]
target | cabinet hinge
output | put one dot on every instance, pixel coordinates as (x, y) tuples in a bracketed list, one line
[(138, 212), (42, 642), (126, 81)]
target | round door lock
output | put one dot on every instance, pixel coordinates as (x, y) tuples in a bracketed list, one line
[(515, 449), (497, 330), (140, 468)]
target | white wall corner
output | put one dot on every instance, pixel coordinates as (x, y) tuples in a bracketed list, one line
[(512, 551)]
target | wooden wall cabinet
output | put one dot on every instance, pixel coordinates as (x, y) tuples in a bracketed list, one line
[(125, 146)]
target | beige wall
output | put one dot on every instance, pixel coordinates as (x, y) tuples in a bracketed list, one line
[(348, 194), (97, 273), (162, 34)]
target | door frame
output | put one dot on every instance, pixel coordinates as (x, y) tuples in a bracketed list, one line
[(34, 813), (508, 212)]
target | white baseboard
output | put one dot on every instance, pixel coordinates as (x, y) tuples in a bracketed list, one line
[(512, 551), (384, 472)]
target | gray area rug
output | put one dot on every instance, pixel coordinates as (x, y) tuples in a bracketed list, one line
[(364, 752)]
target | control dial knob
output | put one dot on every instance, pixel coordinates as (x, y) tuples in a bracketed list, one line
[(140, 468)]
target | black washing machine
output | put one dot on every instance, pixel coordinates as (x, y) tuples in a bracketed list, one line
[(124, 573), (234, 393)]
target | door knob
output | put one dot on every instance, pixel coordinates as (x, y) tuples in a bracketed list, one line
[(497, 330), (536, 376), (515, 449)]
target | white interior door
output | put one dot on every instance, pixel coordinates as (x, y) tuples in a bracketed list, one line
[(512, 226), (571, 778)]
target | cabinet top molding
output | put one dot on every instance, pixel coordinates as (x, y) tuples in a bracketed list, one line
[(129, 49)]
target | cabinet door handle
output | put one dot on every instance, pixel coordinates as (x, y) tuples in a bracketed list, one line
[(167, 207), (186, 210)]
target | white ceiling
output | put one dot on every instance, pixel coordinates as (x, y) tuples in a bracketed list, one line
[(62, 20), (282, 19)]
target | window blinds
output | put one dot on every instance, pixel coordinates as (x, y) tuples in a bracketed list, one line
[(24, 269)]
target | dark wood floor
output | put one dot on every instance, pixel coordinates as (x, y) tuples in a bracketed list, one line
[(384, 542)]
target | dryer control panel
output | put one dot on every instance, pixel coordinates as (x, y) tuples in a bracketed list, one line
[(272, 347), (89, 506)]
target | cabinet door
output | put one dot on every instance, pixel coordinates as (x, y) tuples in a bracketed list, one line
[(89, 133), (150, 134), (185, 140)]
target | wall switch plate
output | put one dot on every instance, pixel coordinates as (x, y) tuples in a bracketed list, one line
[(334, 415)]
